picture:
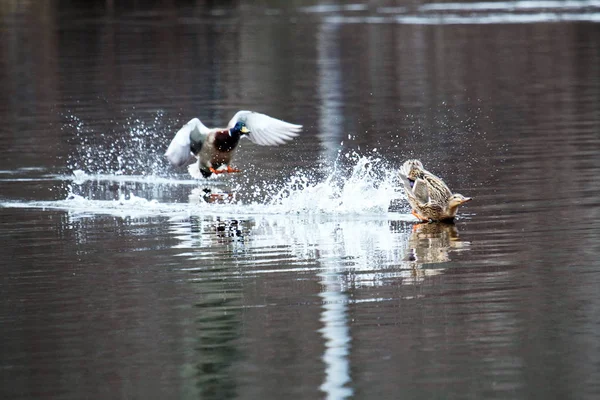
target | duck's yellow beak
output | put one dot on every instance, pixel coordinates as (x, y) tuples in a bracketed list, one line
[(244, 130)]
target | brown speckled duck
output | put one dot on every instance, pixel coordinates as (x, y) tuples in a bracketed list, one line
[(428, 195), (214, 148)]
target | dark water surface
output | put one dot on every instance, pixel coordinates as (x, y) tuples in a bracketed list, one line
[(121, 278)]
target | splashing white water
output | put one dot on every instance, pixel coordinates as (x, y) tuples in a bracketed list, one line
[(80, 177), (129, 147), (368, 189), (125, 206)]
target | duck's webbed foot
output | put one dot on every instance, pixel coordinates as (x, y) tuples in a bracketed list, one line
[(227, 170), (419, 216)]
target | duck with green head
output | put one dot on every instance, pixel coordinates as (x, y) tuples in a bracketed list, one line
[(428, 195), (214, 148)]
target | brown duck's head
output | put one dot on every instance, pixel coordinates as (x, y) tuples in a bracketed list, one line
[(457, 199)]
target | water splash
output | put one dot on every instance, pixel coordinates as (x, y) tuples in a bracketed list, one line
[(366, 187), (134, 146), (369, 188), (124, 206)]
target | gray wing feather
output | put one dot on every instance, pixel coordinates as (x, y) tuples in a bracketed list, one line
[(265, 130), (421, 191)]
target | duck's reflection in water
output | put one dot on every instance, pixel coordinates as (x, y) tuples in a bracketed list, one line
[(210, 242), (432, 243), (430, 246), (366, 252), (217, 328), (209, 194)]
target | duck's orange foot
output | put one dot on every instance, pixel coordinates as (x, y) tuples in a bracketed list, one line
[(218, 197), (228, 170), (419, 216), (216, 171)]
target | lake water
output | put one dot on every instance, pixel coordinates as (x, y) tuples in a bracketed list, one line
[(124, 277)]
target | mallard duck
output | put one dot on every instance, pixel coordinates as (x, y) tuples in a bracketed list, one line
[(428, 195), (215, 147)]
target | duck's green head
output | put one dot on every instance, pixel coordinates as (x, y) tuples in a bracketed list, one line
[(239, 129)]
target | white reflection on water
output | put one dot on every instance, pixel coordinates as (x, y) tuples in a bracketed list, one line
[(330, 90), (327, 8), (336, 333), (512, 5), (510, 12), (508, 6), (459, 19)]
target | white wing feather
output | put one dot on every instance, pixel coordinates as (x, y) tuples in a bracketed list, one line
[(405, 181), (179, 151), (265, 130)]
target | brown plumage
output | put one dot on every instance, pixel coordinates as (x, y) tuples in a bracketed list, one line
[(428, 195)]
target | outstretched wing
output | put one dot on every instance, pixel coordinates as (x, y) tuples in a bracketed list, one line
[(265, 130), (421, 191), (417, 188), (408, 185), (180, 149)]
